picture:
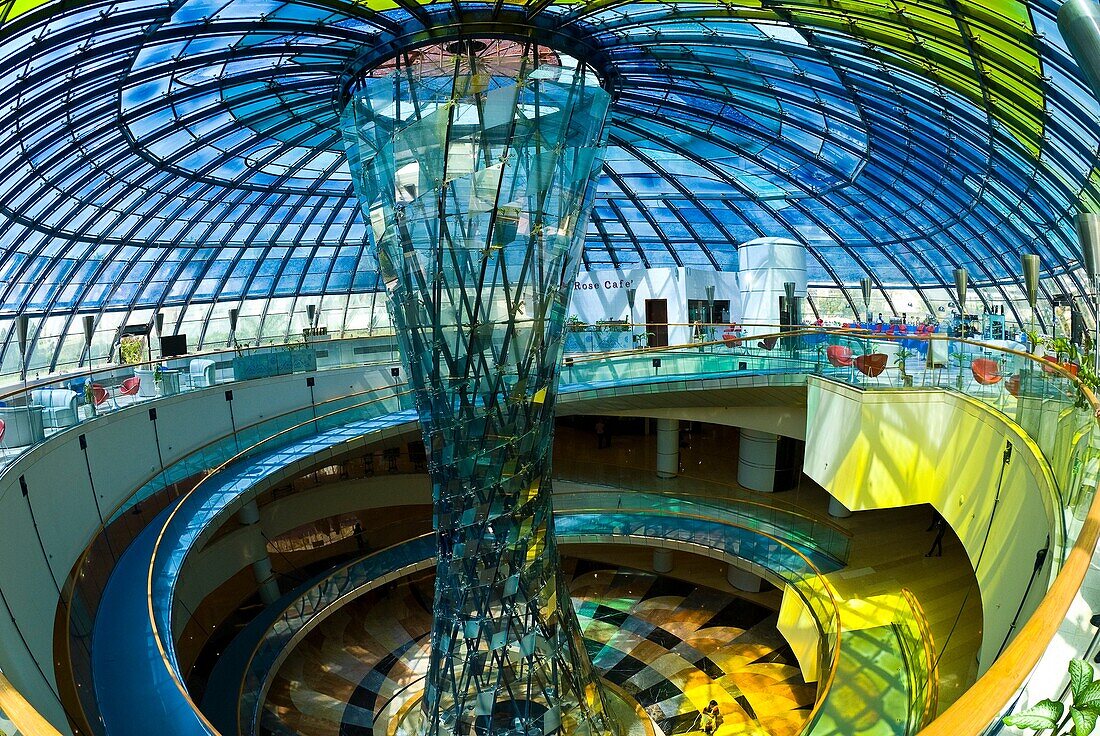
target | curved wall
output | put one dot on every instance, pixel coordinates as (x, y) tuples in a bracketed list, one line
[(883, 449), (60, 513)]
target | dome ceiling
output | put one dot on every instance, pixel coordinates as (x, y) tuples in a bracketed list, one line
[(185, 152)]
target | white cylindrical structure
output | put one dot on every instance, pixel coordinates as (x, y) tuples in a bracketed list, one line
[(662, 560), (838, 510), (743, 579), (265, 580), (765, 265), (756, 460), (268, 586), (668, 448), (249, 513)]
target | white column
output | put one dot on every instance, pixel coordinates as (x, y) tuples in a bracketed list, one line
[(743, 579), (756, 460), (662, 560), (764, 265), (268, 586), (668, 448), (837, 509)]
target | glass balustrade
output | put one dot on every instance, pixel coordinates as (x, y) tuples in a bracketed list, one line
[(579, 516), (1041, 396)]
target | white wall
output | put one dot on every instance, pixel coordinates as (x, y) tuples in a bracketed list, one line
[(123, 454), (600, 295)]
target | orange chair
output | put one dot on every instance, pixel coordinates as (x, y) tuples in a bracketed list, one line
[(871, 365), (986, 371), (767, 343), (1012, 384), (839, 356), (1070, 368), (130, 386)]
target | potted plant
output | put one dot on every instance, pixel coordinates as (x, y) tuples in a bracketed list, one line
[(573, 323), (1033, 339), (157, 378), (903, 354), (89, 396), (1065, 353), (960, 360)]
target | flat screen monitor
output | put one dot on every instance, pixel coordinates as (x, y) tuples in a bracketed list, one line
[(171, 345)]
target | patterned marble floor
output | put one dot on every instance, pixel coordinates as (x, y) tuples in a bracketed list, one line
[(672, 645)]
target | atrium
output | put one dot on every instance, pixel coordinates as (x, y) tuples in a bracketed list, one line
[(605, 368)]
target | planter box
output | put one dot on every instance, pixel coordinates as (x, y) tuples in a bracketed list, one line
[(597, 341), (275, 363)]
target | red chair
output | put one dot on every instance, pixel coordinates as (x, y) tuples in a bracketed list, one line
[(1012, 384), (767, 343), (130, 386), (731, 336), (100, 395), (839, 356), (871, 365), (986, 371), (1070, 368)]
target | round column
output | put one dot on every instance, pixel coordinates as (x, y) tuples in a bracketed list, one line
[(668, 448), (662, 560), (743, 579), (268, 586), (765, 265), (838, 510), (756, 460)]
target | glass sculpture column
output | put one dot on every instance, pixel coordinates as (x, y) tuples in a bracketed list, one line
[(475, 165)]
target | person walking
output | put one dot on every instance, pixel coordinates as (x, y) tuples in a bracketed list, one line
[(940, 524), (602, 439)]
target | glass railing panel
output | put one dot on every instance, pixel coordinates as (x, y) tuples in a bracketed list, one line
[(1042, 401), (784, 561)]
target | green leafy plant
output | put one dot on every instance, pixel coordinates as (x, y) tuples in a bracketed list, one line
[(1062, 347), (959, 358), (573, 323), (1046, 714), (131, 349), (902, 355), (1033, 339)]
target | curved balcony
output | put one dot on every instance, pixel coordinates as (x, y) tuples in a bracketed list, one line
[(1044, 404)]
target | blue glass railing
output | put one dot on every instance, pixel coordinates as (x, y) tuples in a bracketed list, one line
[(578, 517)]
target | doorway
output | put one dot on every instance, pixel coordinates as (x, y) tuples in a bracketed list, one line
[(656, 322)]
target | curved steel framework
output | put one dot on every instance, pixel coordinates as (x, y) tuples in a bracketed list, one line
[(184, 156)]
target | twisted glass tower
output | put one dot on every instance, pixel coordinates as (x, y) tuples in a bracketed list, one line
[(475, 163)]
